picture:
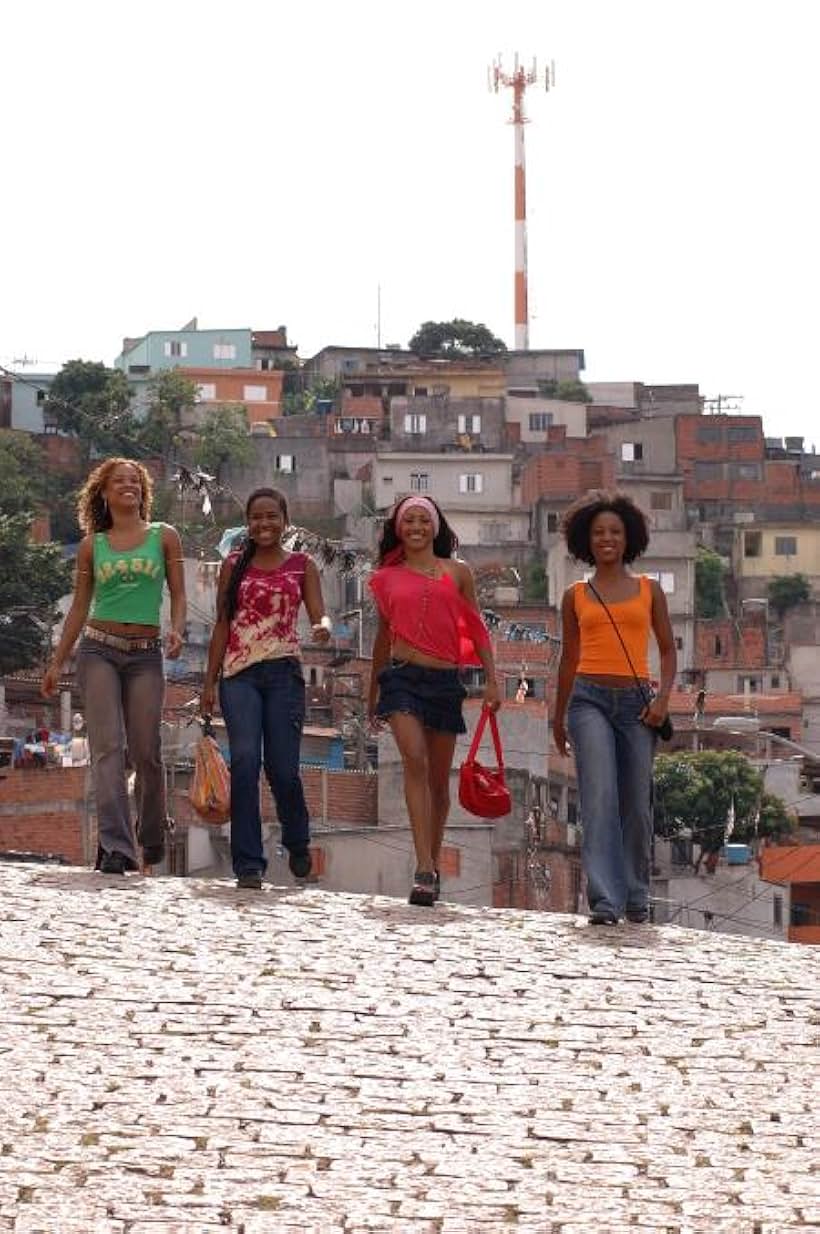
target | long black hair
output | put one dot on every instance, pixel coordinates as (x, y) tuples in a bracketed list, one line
[(444, 545), (578, 522), (248, 549)]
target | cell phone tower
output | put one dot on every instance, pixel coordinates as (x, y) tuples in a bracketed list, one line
[(519, 80)]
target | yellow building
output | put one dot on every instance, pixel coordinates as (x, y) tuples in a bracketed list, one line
[(764, 552)]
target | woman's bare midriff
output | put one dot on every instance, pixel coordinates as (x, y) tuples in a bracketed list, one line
[(403, 651), (605, 679), (125, 629)]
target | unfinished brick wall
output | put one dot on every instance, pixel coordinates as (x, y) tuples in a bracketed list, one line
[(350, 799), (42, 810)]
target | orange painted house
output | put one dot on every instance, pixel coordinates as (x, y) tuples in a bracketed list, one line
[(259, 392)]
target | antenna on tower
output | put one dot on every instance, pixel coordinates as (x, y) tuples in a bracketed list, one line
[(519, 80)]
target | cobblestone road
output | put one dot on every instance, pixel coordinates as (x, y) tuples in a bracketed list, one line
[(177, 1057)]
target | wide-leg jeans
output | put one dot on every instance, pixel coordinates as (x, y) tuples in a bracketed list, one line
[(613, 755), (264, 711)]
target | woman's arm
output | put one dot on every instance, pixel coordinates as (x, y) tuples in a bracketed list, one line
[(75, 617), (492, 696), (381, 653), (175, 578), (315, 605), (218, 643), (658, 709), (567, 667)]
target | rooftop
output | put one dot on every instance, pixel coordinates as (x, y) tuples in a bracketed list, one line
[(179, 1056)]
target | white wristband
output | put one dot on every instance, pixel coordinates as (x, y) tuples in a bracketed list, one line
[(324, 623)]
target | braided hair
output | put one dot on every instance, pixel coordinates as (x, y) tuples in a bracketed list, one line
[(231, 597)]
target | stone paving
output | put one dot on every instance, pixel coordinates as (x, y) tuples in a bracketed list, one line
[(178, 1057)]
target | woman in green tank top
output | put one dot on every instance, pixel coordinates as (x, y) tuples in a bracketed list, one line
[(122, 564)]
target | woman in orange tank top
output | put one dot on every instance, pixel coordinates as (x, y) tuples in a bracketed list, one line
[(603, 708)]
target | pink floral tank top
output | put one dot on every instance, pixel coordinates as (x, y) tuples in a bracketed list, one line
[(264, 624)]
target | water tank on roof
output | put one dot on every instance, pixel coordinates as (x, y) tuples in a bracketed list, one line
[(737, 854), (795, 443)]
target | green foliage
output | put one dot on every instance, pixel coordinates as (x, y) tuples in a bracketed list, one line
[(223, 437), (455, 339), (32, 578), (696, 791), (22, 481), (92, 403), (170, 394), (535, 583), (709, 572), (570, 390), (788, 590), (299, 399)]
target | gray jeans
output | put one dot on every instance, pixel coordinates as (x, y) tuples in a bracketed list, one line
[(123, 693)]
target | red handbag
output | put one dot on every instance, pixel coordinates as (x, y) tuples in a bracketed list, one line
[(481, 790)]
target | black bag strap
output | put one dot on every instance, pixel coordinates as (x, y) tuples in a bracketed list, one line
[(638, 681)]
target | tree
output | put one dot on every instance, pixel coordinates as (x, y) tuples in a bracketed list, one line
[(697, 792), (454, 339), (222, 438), (788, 590), (170, 395), (709, 572), (92, 403), (33, 577), (22, 485), (569, 390)]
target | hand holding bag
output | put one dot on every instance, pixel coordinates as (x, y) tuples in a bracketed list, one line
[(665, 731), (210, 791), (481, 790)]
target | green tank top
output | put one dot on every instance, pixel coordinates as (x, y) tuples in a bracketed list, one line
[(128, 585)]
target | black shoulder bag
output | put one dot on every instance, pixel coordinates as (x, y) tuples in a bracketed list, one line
[(665, 731)]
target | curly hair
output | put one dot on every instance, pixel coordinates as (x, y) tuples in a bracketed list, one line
[(444, 545), (92, 508), (231, 598), (578, 519)]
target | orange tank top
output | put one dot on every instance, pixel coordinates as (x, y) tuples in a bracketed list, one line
[(601, 653)]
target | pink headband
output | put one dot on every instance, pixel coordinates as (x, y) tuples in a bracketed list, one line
[(423, 503)]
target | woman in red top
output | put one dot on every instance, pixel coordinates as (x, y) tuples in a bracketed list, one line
[(429, 626)]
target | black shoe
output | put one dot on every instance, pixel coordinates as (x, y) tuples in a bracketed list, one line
[(153, 854), (300, 863), (116, 863), (252, 881), (423, 891), (637, 916), (604, 918)]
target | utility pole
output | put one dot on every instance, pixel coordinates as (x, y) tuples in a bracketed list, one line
[(518, 81)]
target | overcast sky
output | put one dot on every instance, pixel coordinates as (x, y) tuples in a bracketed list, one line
[(267, 163)]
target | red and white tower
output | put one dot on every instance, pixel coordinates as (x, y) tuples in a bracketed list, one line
[(518, 81)]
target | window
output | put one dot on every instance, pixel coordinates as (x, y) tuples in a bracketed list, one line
[(667, 582), (752, 545), (264, 364), (552, 522), (469, 424), (745, 471), (660, 501), (540, 421), (224, 351), (493, 533), (286, 462), (742, 432), (785, 546), (709, 434), (420, 392), (678, 643), (419, 481), (173, 347), (705, 470), (752, 684), (471, 482), (775, 681), (255, 394), (42, 395), (777, 910), (387, 479), (206, 393), (718, 651), (631, 451), (415, 423)]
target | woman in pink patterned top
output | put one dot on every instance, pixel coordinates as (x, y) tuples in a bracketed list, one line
[(255, 647)]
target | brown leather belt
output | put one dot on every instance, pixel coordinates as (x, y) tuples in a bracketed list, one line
[(122, 642)]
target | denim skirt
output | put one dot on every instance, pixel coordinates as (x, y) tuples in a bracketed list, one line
[(434, 695)]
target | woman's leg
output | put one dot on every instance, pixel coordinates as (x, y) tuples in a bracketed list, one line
[(99, 678), (635, 751), (410, 739), (440, 751), (593, 741), (143, 693), (241, 702), (283, 718)]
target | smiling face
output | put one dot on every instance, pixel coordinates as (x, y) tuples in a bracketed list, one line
[(415, 528), (607, 538), (266, 521), (123, 488)]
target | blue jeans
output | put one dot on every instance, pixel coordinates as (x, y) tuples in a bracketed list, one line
[(264, 711), (613, 755), (123, 693)]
